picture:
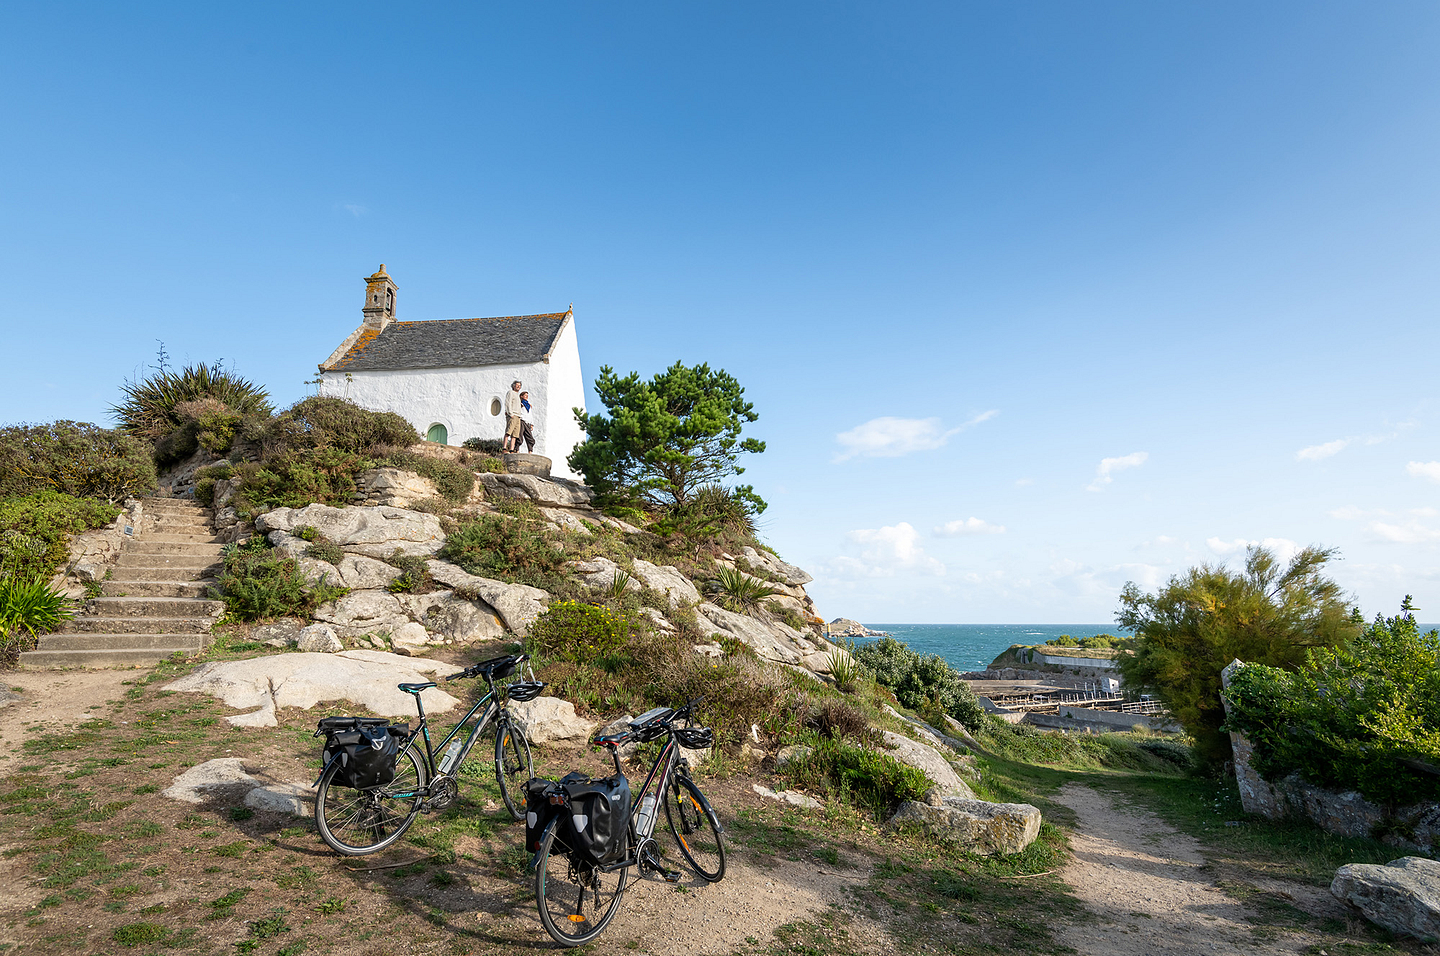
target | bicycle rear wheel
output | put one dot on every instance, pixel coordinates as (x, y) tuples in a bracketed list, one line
[(357, 822), (512, 767), (576, 901), (696, 828)]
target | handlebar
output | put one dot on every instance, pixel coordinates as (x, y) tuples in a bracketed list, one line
[(663, 719), (487, 668)]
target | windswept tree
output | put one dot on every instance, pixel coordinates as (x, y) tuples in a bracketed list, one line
[(663, 440), (1202, 620)]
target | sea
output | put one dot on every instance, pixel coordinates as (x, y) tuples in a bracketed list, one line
[(971, 647)]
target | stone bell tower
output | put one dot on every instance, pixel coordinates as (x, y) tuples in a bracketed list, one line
[(379, 300)]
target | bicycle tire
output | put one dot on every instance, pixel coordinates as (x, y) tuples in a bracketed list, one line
[(696, 828), (563, 888), (357, 822), (513, 768)]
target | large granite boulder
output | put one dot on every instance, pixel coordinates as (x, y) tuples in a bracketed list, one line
[(363, 612), (772, 642), (358, 572), (364, 678), (518, 605), (452, 618), (600, 573), (930, 762), (319, 639), (1403, 895), (547, 719), (557, 492), (770, 563), (394, 487), (666, 578), (988, 829), (376, 532)]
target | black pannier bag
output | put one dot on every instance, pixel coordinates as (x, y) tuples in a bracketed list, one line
[(367, 748), (599, 818), (539, 811)]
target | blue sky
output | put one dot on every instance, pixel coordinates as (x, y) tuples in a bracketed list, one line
[(1033, 299)]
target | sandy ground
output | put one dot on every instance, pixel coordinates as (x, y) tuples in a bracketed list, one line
[(1145, 883), (53, 700)]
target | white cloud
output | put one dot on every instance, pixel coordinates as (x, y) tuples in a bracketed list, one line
[(889, 437), (1109, 466), (354, 209), (963, 526), (1353, 513), (1317, 452), (1284, 548), (1424, 469), (1024, 482), (884, 552), (1412, 532)]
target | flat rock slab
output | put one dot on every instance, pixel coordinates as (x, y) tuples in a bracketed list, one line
[(1403, 895), (375, 532), (191, 787), (365, 678), (788, 796), (989, 829), (8, 696)]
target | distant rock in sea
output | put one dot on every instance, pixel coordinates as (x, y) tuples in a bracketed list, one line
[(844, 627)]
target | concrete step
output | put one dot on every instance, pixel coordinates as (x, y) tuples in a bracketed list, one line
[(183, 525), (91, 624), (162, 588), (181, 563), (194, 549), (102, 659), (166, 537), (167, 573), (168, 607), (93, 642)]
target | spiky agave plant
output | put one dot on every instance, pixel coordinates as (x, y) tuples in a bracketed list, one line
[(740, 590), (149, 406), (29, 608)]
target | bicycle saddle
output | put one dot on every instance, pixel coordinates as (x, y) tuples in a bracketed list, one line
[(416, 688)]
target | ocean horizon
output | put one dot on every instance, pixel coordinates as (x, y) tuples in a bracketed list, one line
[(969, 647)]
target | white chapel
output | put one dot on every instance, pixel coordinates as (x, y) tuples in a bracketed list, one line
[(448, 377)]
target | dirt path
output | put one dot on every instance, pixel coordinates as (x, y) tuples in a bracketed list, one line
[(1146, 883), (55, 700)]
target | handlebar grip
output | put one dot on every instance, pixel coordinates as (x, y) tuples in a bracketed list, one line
[(464, 673)]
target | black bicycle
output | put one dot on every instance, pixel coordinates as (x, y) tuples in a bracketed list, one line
[(356, 822), (577, 900)]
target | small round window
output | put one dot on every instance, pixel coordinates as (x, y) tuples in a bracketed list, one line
[(495, 406)]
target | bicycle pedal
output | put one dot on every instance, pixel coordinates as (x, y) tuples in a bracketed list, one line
[(671, 876)]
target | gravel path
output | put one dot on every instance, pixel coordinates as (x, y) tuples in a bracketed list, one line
[(1144, 881)]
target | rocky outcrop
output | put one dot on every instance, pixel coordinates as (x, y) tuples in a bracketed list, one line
[(988, 829), (844, 627), (1403, 896), (929, 761), (393, 487), (364, 678), (556, 492), (776, 568), (374, 532), (518, 605), (547, 719), (676, 586)]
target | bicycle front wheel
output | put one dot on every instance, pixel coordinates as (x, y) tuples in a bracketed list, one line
[(576, 901), (696, 828), (357, 822), (512, 767)]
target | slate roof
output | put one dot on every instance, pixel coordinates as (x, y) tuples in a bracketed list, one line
[(453, 343)]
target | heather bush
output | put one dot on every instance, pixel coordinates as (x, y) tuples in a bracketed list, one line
[(35, 531), (515, 550), (868, 779)]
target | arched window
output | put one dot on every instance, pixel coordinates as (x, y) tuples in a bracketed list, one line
[(495, 406), (438, 434)]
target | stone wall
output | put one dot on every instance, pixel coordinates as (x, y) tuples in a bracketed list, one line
[(92, 553)]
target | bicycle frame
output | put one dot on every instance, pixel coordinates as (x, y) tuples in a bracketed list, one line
[(491, 703), (669, 759)]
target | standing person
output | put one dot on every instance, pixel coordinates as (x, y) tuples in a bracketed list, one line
[(513, 422), (527, 422)]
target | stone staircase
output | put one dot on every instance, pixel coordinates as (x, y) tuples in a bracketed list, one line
[(155, 602)]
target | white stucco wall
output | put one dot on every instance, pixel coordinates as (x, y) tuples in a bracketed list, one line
[(460, 398)]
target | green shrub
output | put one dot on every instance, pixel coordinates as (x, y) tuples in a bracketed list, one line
[(415, 572), (840, 720), (513, 549), (485, 446), (920, 681), (326, 551), (260, 582), (28, 608), (206, 479), (866, 778), (327, 422), (35, 531), (453, 480), (1362, 716), (150, 406), (583, 633), (75, 458), (324, 476)]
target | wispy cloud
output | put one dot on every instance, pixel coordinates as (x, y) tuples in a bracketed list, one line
[(1424, 469), (886, 552), (1318, 452), (889, 437), (353, 208), (1411, 532), (1284, 548), (1108, 466), (964, 526)]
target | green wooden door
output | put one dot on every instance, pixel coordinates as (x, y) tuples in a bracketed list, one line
[(437, 434)]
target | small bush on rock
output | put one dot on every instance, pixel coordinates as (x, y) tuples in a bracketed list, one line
[(260, 582), (485, 446), (866, 778), (515, 550), (453, 480), (415, 574)]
